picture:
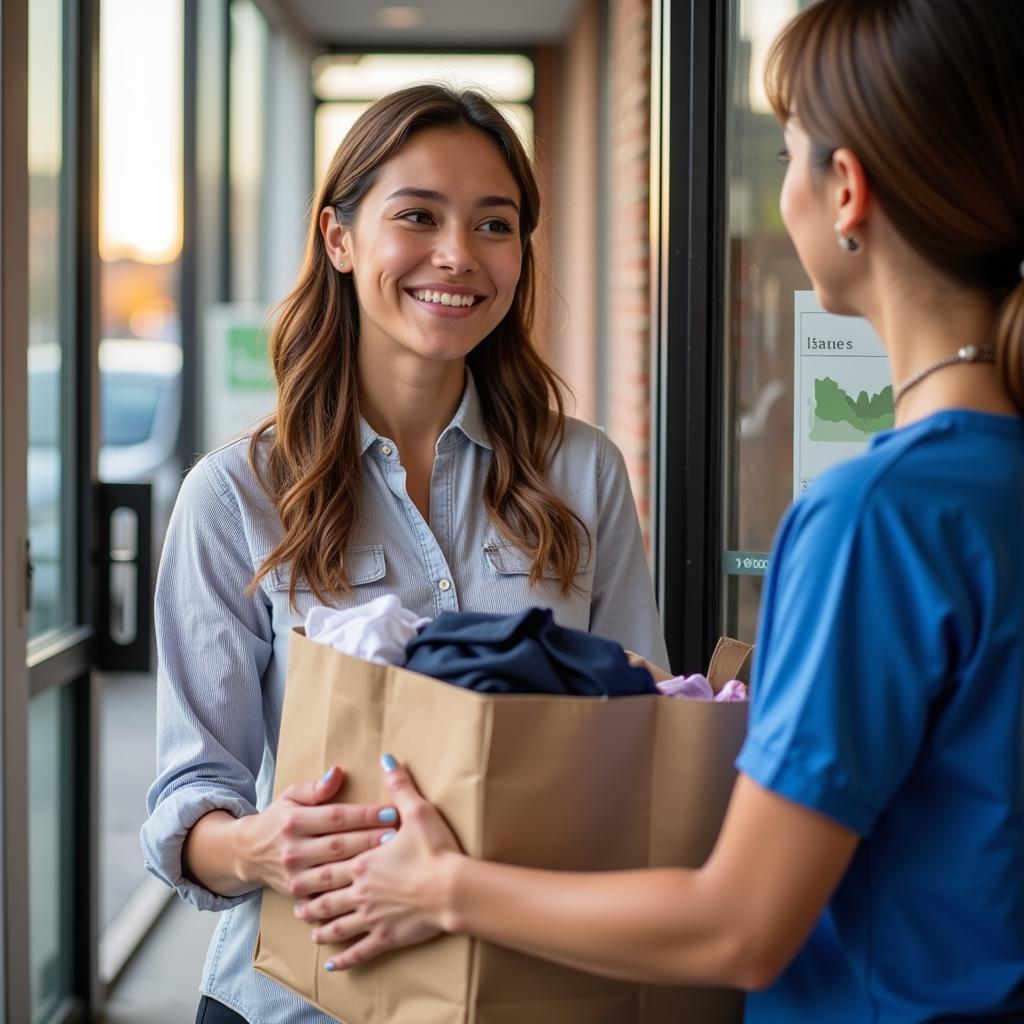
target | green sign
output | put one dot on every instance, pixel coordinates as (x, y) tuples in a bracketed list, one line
[(744, 563), (248, 364)]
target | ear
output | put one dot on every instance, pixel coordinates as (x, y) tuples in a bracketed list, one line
[(852, 191), (337, 240)]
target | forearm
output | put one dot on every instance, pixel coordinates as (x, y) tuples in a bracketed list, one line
[(214, 855), (664, 926)]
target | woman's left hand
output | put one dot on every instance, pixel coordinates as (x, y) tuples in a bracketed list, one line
[(397, 892)]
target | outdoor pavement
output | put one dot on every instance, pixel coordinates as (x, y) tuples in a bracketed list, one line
[(160, 985)]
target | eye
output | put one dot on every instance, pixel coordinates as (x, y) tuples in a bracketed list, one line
[(783, 156), (416, 217), (497, 225)]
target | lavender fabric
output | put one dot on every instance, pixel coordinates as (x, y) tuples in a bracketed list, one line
[(697, 687)]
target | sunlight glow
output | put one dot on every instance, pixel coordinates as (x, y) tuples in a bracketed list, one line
[(141, 130)]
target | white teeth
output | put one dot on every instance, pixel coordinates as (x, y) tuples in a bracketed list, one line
[(444, 298)]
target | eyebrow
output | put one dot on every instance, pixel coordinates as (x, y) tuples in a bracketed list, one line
[(440, 197)]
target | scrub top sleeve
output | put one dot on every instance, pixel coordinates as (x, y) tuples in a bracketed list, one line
[(848, 660), (214, 643), (622, 602)]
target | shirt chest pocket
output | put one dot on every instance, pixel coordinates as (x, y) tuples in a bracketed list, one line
[(365, 566), (505, 559)]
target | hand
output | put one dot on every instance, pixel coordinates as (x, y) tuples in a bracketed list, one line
[(397, 891), (299, 843)]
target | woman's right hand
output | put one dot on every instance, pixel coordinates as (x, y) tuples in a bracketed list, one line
[(295, 844)]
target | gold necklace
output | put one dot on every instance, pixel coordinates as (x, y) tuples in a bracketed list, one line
[(967, 354)]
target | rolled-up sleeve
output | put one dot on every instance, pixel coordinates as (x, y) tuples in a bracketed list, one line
[(214, 641), (623, 605)]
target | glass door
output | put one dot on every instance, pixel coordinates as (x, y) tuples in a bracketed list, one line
[(762, 273), (48, 452)]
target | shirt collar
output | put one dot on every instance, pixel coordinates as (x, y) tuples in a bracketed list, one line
[(468, 420), (469, 417)]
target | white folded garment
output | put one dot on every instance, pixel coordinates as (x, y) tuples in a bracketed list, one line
[(375, 631)]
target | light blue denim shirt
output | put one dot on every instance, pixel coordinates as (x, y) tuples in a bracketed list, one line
[(223, 652)]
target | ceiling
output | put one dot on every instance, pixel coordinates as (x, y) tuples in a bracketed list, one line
[(493, 23)]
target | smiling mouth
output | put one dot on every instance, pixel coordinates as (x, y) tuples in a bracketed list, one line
[(443, 298)]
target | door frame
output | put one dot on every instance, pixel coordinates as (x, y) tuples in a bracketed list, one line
[(688, 244), (63, 660)]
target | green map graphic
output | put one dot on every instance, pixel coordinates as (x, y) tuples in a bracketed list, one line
[(838, 417)]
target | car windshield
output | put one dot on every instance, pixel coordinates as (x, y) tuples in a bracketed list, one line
[(128, 405)]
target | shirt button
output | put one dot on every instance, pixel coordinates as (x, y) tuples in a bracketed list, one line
[(385, 449), (444, 584)]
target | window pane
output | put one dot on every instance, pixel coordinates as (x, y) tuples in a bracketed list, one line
[(48, 455), (763, 274), (248, 70), (140, 370), (48, 820)]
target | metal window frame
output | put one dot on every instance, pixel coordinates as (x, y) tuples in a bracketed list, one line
[(15, 989), (62, 662), (687, 257)]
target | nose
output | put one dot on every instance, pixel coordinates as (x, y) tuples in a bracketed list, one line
[(454, 251)]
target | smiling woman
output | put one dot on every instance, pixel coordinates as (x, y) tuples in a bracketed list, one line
[(417, 434)]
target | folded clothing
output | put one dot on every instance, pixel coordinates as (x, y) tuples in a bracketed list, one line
[(375, 631), (697, 687), (524, 653)]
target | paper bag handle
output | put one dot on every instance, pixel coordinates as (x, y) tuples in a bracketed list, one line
[(728, 661)]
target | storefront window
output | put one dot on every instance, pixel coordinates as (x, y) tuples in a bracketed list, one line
[(763, 275)]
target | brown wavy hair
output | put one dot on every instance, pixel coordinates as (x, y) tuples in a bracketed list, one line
[(311, 442), (928, 94)]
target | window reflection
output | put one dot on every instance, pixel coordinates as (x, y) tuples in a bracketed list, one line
[(763, 274), (47, 495)]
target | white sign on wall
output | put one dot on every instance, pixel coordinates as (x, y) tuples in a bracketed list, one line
[(238, 386), (842, 392)]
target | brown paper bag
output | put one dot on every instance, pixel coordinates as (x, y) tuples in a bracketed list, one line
[(567, 783)]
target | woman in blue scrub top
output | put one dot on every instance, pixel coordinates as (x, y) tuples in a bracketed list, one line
[(882, 781)]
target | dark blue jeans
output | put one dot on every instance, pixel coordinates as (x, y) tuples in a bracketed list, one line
[(212, 1012)]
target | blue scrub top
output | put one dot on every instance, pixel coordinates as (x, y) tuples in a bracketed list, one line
[(888, 695)]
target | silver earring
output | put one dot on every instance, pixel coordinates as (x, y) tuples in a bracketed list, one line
[(846, 242)]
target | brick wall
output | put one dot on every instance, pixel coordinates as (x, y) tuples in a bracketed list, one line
[(597, 303), (627, 259)]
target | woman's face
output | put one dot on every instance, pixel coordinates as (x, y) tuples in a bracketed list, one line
[(809, 212), (435, 250)]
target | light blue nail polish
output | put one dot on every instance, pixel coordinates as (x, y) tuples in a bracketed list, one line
[(388, 816), (388, 763), (327, 775), (387, 837), (329, 966)]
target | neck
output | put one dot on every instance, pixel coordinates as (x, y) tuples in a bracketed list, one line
[(920, 325), (410, 400)]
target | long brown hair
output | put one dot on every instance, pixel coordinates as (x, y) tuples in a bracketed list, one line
[(928, 94), (311, 443)]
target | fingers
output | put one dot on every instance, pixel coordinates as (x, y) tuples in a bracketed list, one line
[(334, 817), (399, 782), (312, 793), (333, 872), (321, 879), (313, 865), (326, 907), (358, 953)]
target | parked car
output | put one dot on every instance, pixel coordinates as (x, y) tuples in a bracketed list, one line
[(140, 410)]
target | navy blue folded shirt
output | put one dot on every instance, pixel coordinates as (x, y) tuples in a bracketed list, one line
[(524, 653)]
